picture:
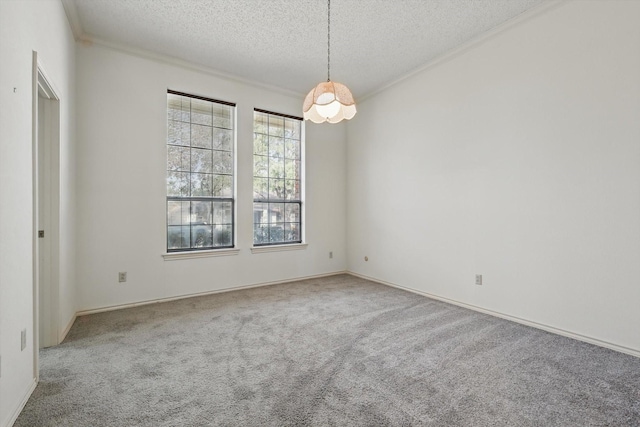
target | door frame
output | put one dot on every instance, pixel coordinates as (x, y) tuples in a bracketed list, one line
[(44, 89)]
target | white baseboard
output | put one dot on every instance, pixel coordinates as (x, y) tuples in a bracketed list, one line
[(548, 328), (199, 294), (14, 416)]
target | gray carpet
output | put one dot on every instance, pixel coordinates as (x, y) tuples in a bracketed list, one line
[(337, 351)]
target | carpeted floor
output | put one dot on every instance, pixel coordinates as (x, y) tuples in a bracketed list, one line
[(336, 351)]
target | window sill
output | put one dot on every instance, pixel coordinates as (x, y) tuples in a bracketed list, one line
[(278, 248), (172, 256)]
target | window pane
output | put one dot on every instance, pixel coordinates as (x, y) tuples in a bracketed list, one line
[(292, 149), (179, 133), (276, 126), (260, 213), (174, 107), (201, 185), (201, 235), (201, 160), (292, 129), (201, 136), (291, 232), (178, 158), (260, 144), (177, 184), (292, 212), (292, 169), (222, 139), (260, 234), (178, 108), (260, 166), (260, 188), (222, 117), (276, 167), (222, 213), (201, 112), (222, 162), (260, 122), (222, 186), (222, 235), (276, 189), (178, 237), (276, 213), (201, 212), (276, 147), (177, 213), (276, 232), (292, 189)]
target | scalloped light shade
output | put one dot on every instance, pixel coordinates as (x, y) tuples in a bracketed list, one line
[(329, 102)]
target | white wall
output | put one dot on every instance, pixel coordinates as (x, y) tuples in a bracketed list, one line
[(518, 159), (26, 26), (122, 186)]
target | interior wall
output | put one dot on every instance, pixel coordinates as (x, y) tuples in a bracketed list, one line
[(517, 159), (121, 185), (26, 26)]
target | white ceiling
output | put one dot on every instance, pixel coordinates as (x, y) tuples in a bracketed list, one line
[(283, 43)]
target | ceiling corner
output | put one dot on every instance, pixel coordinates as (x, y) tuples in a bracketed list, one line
[(74, 20)]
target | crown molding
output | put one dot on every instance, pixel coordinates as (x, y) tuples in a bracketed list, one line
[(74, 20), (471, 44), (89, 40)]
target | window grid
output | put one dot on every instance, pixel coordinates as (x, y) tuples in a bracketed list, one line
[(277, 179), (200, 172)]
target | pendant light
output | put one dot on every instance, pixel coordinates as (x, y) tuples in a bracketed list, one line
[(329, 101)]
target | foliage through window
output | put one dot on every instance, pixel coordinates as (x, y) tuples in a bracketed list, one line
[(200, 173), (277, 184)]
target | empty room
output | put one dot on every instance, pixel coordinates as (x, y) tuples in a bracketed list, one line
[(319, 213)]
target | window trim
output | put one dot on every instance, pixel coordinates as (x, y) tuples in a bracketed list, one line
[(279, 247), (293, 245), (204, 253), (186, 253)]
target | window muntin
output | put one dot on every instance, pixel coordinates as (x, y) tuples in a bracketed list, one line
[(200, 173), (277, 179)]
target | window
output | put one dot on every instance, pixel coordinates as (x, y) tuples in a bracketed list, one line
[(277, 183), (200, 171)]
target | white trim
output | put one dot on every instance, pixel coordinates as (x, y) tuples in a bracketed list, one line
[(172, 256), (88, 39), (52, 91), (35, 334), (544, 327), (278, 248), (477, 41), (14, 416), (71, 11), (51, 191), (200, 294)]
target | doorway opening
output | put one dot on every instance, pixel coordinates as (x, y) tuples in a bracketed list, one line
[(46, 210)]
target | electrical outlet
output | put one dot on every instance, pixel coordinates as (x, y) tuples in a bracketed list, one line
[(479, 279), (122, 276), (23, 339), (330, 255)]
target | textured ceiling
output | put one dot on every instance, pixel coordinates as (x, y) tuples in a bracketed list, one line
[(283, 43)]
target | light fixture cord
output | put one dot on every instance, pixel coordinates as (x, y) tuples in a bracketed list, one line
[(328, 40)]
